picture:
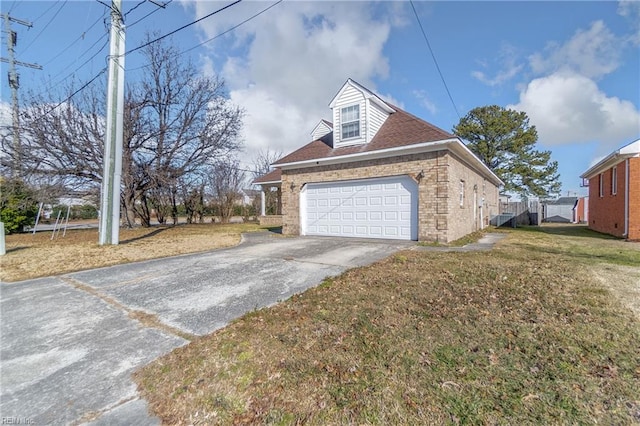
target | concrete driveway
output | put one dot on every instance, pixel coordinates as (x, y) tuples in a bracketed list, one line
[(70, 343)]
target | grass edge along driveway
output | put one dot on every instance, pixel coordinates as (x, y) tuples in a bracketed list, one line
[(44, 254), (521, 334)]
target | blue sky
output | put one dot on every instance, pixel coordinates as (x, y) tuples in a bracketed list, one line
[(573, 67)]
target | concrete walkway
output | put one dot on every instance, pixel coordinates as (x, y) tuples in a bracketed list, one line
[(70, 343), (485, 243)]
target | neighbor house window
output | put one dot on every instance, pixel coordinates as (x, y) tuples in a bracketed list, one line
[(614, 180), (601, 184), (350, 121), (461, 193)]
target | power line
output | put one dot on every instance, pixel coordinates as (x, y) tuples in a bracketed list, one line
[(68, 98), (81, 36), (221, 34), (134, 8), (13, 5), (424, 34), (84, 86), (182, 27), (47, 24), (147, 15), (81, 65), (46, 11), (233, 28)]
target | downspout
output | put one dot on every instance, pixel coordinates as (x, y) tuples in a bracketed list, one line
[(626, 199)]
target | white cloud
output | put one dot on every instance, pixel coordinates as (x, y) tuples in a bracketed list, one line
[(5, 114), (593, 53), (285, 66), (508, 60), (569, 108), (631, 9), (424, 100)]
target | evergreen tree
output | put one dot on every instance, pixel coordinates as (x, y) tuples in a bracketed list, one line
[(504, 141)]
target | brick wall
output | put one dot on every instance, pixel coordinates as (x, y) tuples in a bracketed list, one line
[(634, 199), (437, 219), (606, 212), (479, 200), (271, 220)]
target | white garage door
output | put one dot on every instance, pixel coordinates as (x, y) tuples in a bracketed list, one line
[(369, 208)]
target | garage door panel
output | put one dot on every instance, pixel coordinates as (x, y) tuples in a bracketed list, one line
[(375, 208), (391, 231), (390, 200), (375, 231), (393, 216)]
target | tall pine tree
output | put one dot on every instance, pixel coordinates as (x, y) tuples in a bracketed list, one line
[(504, 141)]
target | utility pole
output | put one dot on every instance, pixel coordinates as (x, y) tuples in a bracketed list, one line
[(14, 84), (112, 169)]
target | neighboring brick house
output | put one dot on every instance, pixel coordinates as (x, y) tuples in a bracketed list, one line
[(380, 172), (614, 193)]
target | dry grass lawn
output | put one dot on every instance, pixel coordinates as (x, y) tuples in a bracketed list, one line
[(524, 334), (32, 256)]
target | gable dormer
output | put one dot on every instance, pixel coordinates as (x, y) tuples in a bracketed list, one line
[(323, 128), (358, 114)]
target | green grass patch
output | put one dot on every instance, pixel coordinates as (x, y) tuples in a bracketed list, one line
[(522, 334)]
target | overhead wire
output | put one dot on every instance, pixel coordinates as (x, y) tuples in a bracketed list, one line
[(133, 50), (81, 36), (232, 28), (46, 25), (133, 8), (147, 15), (182, 28), (13, 5), (220, 34), (45, 12), (106, 42), (426, 39), (68, 98)]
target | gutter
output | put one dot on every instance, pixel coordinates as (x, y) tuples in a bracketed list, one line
[(454, 144)]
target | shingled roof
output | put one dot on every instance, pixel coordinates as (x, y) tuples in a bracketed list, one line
[(400, 129), (274, 176)]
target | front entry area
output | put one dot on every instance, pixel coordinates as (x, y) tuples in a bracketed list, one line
[(367, 208)]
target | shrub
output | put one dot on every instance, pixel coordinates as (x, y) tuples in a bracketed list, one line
[(18, 205)]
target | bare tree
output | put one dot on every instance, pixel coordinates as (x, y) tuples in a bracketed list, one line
[(263, 160), (176, 123), (262, 166), (186, 122), (226, 180), (61, 146)]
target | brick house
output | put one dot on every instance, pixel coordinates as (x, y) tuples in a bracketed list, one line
[(614, 193), (380, 172)]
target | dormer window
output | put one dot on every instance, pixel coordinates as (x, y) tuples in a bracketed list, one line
[(350, 121)]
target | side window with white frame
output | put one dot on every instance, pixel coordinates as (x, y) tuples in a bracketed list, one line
[(461, 193), (614, 180), (350, 117), (601, 177)]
